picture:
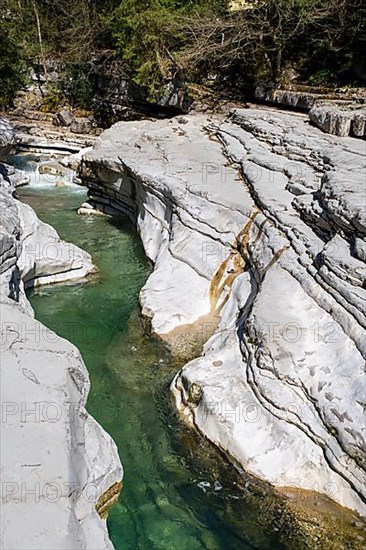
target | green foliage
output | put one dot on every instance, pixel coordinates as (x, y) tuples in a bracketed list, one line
[(77, 85), (11, 69), (323, 77), (193, 40), (269, 37), (148, 36), (53, 100)]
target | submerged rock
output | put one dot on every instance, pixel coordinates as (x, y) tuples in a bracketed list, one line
[(86, 209), (251, 226)]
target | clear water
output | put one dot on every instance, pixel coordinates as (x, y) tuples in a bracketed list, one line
[(178, 491)]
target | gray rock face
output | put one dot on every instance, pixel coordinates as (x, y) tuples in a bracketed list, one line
[(58, 467), (257, 237), (175, 96), (63, 118), (6, 138), (81, 125), (288, 98), (338, 121), (10, 178), (306, 97)]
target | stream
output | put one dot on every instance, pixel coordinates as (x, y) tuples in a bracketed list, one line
[(178, 490)]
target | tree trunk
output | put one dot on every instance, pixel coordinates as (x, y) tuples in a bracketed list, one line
[(278, 65), (43, 58)]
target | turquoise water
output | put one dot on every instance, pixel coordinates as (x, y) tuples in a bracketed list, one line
[(178, 491)]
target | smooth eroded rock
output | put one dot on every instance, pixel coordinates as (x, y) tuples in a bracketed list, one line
[(250, 224), (60, 471)]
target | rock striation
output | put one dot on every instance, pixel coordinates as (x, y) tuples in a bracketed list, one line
[(256, 227), (333, 119), (6, 137), (297, 96), (59, 470), (45, 258)]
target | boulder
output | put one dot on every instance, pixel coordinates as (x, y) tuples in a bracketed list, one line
[(81, 125), (63, 118), (73, 161), (52, 168)]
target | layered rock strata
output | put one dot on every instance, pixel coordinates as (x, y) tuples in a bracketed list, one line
[(42, 136), (341, 113), (256, 228), (306, 97), (339, 121), (59, 470)]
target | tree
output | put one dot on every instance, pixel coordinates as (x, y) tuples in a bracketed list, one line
[(149, 36), (267, 36), (220, 41), (11, 55)]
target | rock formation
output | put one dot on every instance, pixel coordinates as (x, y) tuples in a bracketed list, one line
[(45, 258), (339, 112), (6, 137), (60, 470), (256, 228), (340, 121)]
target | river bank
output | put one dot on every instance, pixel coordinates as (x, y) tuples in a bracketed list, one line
[(214, 243), (59, 467), (264, 235), (175, 488)]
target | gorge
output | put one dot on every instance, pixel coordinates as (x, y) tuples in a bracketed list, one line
[(183, 274), (255, 229)]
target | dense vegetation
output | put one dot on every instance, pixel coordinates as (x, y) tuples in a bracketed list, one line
[(225, 44)]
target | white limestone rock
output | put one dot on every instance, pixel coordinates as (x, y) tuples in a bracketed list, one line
[(56, 461), (332, 119), (169, 201), (73, 161), (45, 258), (6, 137), (272, 245), (11, 178)]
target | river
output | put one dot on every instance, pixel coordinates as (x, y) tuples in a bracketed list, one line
[(178, 491)]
